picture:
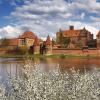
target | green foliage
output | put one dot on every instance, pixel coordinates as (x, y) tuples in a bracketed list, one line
[(63, 41), (37, 83), (62, 56), (23, 50), (66, 41)]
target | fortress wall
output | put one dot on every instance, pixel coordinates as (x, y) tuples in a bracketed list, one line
[(91, 52), (80, 52), (2, 52)]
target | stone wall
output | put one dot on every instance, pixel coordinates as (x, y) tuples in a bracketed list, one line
[(3, 51), (80, 52), (36, 49)]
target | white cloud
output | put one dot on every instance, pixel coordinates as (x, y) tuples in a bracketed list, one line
[(47, 16), (82, 15), (96, 19), (9, 32)]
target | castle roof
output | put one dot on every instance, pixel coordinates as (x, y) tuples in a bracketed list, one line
[(48, 41), (36, 41), (28, 34), (72, 33)]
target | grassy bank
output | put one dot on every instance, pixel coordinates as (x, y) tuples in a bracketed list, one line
[(47, 56)]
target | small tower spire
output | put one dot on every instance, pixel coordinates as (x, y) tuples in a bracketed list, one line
[(84, 28), (48, 40), (48, 44), (36, 46)]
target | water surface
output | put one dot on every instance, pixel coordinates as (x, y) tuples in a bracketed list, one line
[(13, 66)]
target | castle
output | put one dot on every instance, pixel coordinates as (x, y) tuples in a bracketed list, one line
[(75, 38), (67, 39), (30, 41)]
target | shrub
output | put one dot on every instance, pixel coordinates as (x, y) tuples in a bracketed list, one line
[(62, 56), (23, 50), (36, 83)]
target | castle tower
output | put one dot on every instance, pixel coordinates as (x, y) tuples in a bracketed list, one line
[(98, 40), (36, 46), (59, 37), (48, 44)]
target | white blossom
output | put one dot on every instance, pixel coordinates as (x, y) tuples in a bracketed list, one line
[(36, 83)]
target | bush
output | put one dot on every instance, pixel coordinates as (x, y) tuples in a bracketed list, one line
[(23, 50), (62, 56), (37, 84)]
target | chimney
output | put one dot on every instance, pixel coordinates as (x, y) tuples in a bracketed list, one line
[(71, 27)]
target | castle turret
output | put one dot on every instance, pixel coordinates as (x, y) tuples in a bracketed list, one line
[(98, 40), (59, 37), (36, 46), (48, 44)]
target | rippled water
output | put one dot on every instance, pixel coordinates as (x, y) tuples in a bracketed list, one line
[(12, 66), (51, 79)]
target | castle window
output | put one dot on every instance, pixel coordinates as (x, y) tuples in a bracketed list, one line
[(23, 42)]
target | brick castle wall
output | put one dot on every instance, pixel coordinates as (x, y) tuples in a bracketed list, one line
[(91, 52)]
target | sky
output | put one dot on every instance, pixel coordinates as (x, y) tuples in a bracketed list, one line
[(46, 17)]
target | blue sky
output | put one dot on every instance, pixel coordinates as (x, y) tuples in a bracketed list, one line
[(45, 17)]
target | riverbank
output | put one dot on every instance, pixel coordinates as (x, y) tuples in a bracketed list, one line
[(48, 56)]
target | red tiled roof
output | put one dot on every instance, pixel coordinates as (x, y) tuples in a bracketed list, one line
[(13, 42), (72, 33), (48, 41), (36, 41), (28, 34)]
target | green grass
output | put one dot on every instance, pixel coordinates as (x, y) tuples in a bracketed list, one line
[(62, 56)]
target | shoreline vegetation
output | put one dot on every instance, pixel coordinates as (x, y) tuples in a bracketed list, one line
[(37, 83), (62, 56)]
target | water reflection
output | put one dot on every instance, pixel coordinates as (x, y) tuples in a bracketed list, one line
[(66, 64), (12, 66)]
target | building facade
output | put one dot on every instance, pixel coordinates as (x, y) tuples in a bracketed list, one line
[(65, 39), (73, 38), (26, 39), (98, 40), (34, 44), (48, 44)]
